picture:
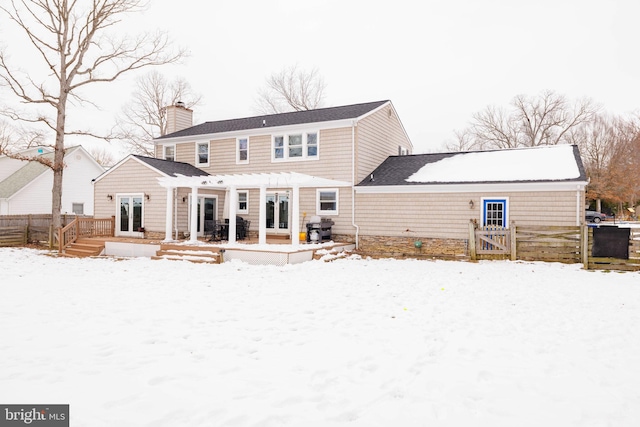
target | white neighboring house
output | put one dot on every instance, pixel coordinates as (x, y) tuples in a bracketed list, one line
[(25, 187)]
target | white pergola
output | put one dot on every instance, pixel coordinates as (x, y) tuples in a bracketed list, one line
[(231, 183)]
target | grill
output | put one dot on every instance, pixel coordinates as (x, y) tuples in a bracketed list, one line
[(319, 229)]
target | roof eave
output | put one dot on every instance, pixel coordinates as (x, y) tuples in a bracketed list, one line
[(254, 131), (474, 187)]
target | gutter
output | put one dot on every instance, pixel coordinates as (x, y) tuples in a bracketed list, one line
[(353, 181)]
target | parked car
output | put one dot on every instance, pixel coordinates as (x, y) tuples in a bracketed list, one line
[(593, 216)]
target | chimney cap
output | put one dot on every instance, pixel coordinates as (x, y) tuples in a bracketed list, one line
[(180, 104)]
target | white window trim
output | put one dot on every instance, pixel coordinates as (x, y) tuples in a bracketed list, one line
[(285, 148), (238, 161), (77, 203), (197, 159), (327, 212), (164, 151), (506, 209), (242, 211)]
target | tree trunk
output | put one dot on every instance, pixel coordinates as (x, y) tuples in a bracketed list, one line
[(58, 162)]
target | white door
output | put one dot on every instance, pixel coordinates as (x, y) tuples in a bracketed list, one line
[(207, 213), (129, 215), (278, 213)]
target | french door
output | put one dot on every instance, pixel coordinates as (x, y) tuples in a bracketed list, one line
[(278, 213), (129, 215), (207, 213)]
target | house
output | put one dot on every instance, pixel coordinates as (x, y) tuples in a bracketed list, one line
[(434, 197), (131, 192), (276, 171), (351, 165), (25, 187)]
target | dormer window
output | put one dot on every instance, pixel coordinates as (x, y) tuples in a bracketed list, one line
[(295, 146)]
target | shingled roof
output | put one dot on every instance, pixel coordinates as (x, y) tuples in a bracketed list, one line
[(171, 168), (538, 164), (282, 119), (26, 174)]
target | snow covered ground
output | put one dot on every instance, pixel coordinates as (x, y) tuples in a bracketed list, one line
[(352, 342)]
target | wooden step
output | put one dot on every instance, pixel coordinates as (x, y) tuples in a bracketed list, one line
[(84, 249), (206, 255)]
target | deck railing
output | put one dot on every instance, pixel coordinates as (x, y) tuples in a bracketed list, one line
[(84, 227)]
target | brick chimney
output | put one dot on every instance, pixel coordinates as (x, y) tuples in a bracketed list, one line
[(178, 117)]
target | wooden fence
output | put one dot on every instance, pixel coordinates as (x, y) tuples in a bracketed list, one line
[(549, 243), (571, 244), (38, 227), (608, 263), (13, 236)]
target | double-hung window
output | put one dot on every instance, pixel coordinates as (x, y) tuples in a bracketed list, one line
[(202, 154), (242, 150), (243, 202), (169, 152), (327, 201), (295, 146)]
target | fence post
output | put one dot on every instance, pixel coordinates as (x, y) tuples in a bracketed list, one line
[(513, 241), (472, 241), (584, 245)]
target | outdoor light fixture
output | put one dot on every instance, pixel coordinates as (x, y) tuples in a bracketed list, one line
[(184, 199), (471, 204), (146, 196), (109, 196)]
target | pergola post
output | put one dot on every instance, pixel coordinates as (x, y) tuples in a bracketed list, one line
[(295, 216), (233, 205), (193, 226), (168, 229), (262, 216)]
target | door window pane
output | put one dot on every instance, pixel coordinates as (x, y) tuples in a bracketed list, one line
[(495, 213), (283, 212), (124, 213), (271, 202), (137, 213)]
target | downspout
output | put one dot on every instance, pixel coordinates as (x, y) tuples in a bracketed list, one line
[(353, 182)]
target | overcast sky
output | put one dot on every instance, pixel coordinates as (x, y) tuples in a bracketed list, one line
[(437, 61)]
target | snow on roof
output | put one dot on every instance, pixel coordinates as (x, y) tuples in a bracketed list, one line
[(554, 162)]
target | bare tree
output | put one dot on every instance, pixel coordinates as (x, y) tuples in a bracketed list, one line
[(75, 49), (463, 142), (145, 118), (102, 156), (291, 89), (5, 137), (545, 119), (609, 149)]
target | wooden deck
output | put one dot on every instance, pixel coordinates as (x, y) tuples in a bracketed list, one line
[(277, 251)]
